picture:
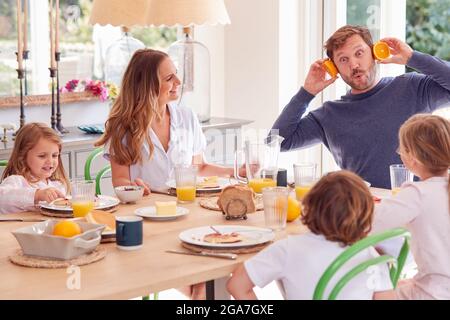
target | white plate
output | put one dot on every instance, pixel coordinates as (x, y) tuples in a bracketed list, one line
[(104, 202), (222, 182), (150, 212), (252, 236)]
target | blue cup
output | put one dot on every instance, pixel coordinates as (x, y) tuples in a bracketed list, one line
[(129, 234)]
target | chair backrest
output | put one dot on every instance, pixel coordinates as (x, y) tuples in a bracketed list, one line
[(87, 169), (396, 264), (3, 163)]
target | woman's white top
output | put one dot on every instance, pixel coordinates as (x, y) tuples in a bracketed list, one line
[(299, 261), (17, 194), (186, 140), (423, 208)]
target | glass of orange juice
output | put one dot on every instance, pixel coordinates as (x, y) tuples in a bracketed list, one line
[(186, 180), (257, 184), (83, 196), (305, 175), (399, 175)]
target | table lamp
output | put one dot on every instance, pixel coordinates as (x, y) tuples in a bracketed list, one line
[(190, 56)]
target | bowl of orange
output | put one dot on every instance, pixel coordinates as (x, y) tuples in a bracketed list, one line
[(60, 240)]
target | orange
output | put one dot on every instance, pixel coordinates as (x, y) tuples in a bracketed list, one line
[(294, 210), (66, 228), (329, 67), (381, 50)]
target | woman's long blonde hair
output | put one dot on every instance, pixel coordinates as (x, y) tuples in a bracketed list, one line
[(27, 137), (135, 108), (427, 139)]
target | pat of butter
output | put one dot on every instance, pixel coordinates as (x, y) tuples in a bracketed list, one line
[(166, 208)]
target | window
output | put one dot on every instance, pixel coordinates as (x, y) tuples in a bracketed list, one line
[(82, 46)]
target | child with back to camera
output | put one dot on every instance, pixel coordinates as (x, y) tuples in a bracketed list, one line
[(423, 207), (338, 212)]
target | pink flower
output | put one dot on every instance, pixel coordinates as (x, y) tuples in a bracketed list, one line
[(96, 87), (70, 85)]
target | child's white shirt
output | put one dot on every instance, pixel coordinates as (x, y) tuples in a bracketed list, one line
[(423, 208), (17, 194), (299, 261)]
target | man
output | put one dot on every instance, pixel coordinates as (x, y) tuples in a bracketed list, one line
[(361, 128)]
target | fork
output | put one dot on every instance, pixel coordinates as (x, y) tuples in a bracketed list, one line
[(215, 230)]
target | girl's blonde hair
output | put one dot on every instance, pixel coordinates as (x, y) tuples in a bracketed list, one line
[(27, 137), (339, 207), (135, 108), (426, 138)]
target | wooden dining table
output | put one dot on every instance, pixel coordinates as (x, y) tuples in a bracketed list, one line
[(129, 274)]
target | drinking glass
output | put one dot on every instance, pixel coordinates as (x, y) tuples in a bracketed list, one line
[(305, 175), (399, 175), (275, 207), (186, 179), (83, 196)]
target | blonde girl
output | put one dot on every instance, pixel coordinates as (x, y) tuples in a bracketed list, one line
[(423, 207), (34, 172)]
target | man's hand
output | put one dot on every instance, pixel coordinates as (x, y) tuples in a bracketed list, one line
[(47, 195), (400, 51), (316, 79)]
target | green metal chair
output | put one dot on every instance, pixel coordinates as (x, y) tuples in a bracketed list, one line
[(3, 163), (87, 176), (395, 269), (87, 169)]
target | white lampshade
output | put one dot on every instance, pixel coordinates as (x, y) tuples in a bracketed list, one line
[(159, 12), (187, 54)]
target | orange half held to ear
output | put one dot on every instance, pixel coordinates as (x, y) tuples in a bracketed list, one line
[(330, 68), (381, 50)]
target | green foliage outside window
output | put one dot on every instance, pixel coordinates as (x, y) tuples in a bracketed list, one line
[(428, 27)]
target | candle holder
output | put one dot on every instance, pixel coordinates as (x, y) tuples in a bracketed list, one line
[(20, 75), (53, 117), (59, 124), (25, 56)]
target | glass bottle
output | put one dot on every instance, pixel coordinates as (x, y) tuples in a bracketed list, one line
[(192, 60), (118, 56)]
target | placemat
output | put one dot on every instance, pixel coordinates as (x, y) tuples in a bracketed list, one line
[(251, 249), (37, 262), (211, 203), (56, 214)]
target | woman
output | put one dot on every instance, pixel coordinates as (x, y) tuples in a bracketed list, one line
[(146, 135)]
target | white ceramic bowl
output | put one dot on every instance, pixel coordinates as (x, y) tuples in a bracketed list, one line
[(129, 193), (37, 240)]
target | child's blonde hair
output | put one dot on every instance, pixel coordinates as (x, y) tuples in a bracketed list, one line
[(27, 137), (339, 207), (427, 138)]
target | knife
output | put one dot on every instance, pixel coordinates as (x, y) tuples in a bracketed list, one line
[(230, 256), (22, 220)]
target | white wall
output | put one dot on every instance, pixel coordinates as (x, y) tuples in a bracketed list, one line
[(251, 61), (213, 38)]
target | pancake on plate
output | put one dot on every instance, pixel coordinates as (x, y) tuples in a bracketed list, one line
[(61, 202), (223, 237)]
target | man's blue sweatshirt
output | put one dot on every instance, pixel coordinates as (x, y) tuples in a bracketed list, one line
[(361, 131)]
